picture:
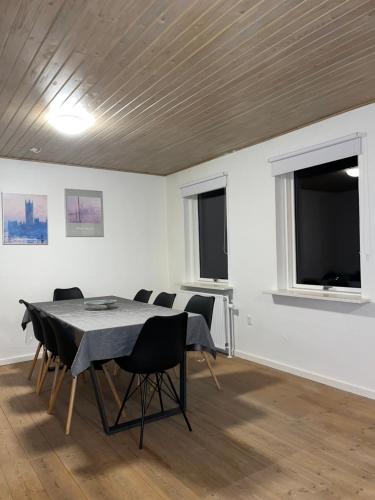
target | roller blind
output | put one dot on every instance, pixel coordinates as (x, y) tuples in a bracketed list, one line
[(204, 186), (326, 152)]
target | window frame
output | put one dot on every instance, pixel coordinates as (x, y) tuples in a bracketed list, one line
[(286, 234)]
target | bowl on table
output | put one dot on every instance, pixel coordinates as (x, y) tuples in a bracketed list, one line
[(100, 304)]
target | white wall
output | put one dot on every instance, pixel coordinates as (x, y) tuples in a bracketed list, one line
[(132, 254), (330, 342)]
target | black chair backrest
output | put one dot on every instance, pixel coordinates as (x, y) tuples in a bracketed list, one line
[(67, 293), (34, 317), (160, 345), (48, 334), (143, 295), (165, 299), (65, 340), (204, 305)]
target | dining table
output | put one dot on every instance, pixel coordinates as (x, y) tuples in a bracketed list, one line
[(111, 332)]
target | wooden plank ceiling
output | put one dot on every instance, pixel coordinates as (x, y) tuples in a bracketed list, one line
[(172, 83)]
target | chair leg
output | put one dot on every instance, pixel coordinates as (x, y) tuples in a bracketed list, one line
[(158, 385), (112, 386), (71, 405), (125, 399), (44, 374), (57, 390), (116, 370), (55, 375), (34, 361), (178, 401), (211, 370), (41, 369)]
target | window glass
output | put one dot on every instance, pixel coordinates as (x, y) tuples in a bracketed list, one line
[(213, 256), (327, 224)]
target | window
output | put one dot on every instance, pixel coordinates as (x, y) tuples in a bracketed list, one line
[(326, 215), (205, 224), (322, 216), (213, 255)]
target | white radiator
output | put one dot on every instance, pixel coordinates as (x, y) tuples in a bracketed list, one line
[(221, 321)]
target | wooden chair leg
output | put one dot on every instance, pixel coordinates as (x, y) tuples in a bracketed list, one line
[(211, 370), (44, 373), (57, 390), (34, 361), (71, 405), (55, 375), (116, 370), (41, 369), (112, 386)]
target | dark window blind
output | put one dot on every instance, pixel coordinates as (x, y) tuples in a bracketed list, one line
[(213, 235)]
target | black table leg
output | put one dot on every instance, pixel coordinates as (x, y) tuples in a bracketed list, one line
[(113, 429), (99, 399), (183, 382)]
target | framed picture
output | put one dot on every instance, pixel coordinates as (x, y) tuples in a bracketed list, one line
[(25, 219), (84, 212)]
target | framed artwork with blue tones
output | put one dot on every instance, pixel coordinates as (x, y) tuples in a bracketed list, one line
[(25, 219), (84, 212)]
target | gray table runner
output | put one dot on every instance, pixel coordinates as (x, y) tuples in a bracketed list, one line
[(112, 333)]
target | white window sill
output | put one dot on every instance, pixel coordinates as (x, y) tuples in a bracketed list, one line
[(351, 298), (207, 285)]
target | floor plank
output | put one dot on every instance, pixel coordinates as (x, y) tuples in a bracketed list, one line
[(268, 435)]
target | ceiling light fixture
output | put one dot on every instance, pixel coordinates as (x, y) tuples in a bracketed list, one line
[(352, 172), (71, 120)]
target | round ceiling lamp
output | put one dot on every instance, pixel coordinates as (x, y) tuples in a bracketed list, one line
[(71, 120)]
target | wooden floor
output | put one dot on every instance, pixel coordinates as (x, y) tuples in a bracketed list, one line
[(267, 435)]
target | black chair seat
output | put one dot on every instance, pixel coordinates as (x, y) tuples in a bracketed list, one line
[(130, 365)]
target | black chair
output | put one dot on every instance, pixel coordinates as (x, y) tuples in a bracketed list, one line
[(204, 305), (38, 334), (67, 293), (165, 299), (160, 346), (50, 351), (143, 296), (67, 350)]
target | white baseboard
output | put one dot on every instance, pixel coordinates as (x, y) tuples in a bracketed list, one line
[(316, 377), (17, 359)]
